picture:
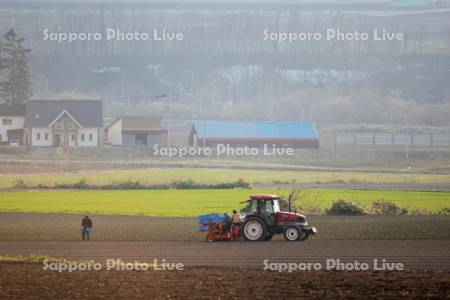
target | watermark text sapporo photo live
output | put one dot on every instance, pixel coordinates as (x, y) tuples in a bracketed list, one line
[(333, 264), (112, 265)]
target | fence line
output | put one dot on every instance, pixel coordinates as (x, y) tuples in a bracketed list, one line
[(392, 139)]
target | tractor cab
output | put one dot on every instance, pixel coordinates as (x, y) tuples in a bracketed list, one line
[(264, 206)]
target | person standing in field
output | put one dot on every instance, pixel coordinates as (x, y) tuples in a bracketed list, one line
[(86, 228)]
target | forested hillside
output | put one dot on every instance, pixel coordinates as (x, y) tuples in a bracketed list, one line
[(225, 68)]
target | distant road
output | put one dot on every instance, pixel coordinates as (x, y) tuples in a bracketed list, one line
[(426, 187), (34, 165), (432, 255)]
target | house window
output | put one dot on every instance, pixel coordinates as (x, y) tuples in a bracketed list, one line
[(7, 122), (46, 136), (82, 136), (73, 137), (90, 137), (38, 136)]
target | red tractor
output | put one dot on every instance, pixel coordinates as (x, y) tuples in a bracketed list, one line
[(263, 219)]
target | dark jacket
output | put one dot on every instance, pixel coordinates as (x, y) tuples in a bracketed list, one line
[(86, 223)]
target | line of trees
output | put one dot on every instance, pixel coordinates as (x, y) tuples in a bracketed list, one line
[(15, 83)]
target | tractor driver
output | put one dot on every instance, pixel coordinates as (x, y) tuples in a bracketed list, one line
[(236, 218)]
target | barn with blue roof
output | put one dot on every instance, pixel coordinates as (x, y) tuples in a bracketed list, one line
[(254, 134)]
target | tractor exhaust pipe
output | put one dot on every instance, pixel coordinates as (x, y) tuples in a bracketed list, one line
[(289, 200)]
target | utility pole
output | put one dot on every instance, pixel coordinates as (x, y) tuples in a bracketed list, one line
[(407, 137), (204, 133), (168, 133)]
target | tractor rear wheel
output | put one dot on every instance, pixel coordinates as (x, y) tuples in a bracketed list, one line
[(254, 230)]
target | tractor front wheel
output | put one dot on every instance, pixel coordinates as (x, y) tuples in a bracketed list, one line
[(254, 230), (292, 233)]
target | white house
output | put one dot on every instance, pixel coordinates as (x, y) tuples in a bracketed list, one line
[(68, 123), (12, 119)]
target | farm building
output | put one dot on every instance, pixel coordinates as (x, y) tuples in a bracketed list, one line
[(69, 123), (254, 134), (136, 131), (12, 118)]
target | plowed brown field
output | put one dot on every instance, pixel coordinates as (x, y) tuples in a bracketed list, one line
[(228, 270), (432, 255), (31, 282)]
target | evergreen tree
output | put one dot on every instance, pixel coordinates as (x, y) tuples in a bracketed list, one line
[(16, 85)]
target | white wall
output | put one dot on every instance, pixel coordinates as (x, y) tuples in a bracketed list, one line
[(114, 133), (87, 142), (42, 142), (17, 123)]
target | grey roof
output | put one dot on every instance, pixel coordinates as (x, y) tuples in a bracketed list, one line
[(89, 113), (12, 110)]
